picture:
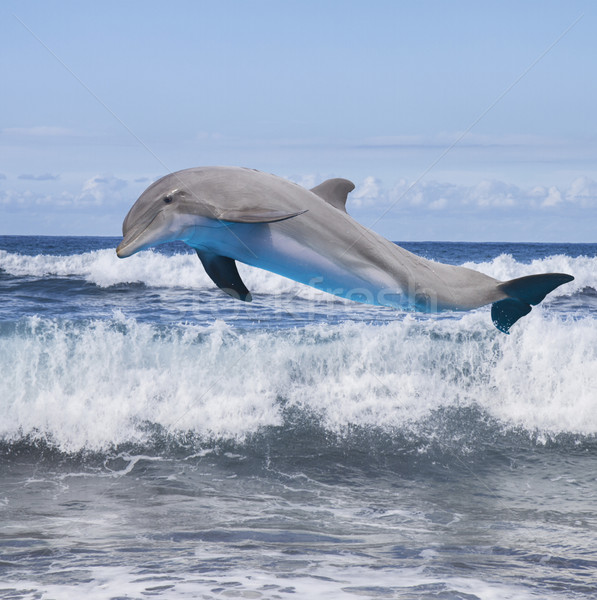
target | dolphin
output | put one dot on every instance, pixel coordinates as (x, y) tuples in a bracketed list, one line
[(230, 214)]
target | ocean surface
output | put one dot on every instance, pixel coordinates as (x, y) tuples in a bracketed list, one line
[(161, 440)]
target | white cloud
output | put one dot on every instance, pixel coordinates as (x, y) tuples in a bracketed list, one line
[(10, 198), (491, 193), (100, 190), (553, 197), (424, 209), (53, 192), (40, 131), (307, 181), (447, 139), (438, 204), (582, 191), (43, 177), (368, 192), (485, 195)]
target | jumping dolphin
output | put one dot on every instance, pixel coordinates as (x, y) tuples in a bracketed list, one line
[(234, 213)]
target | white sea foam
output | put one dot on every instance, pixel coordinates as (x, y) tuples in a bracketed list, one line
[(98, 384), (103, 268), (505, 267), (308, 576)]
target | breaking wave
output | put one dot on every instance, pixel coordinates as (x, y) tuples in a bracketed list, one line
[(155, 269), (95, 385)]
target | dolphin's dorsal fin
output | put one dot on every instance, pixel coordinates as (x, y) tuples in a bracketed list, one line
[(334, 192), (224, 274)]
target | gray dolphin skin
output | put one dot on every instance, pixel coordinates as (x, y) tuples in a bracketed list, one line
[(233, 214)]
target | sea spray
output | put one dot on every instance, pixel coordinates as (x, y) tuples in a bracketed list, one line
[(100, 383)]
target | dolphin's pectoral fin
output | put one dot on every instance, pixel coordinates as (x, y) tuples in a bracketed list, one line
[(524, 292), (224, 274), (334, 192), (256, 215)]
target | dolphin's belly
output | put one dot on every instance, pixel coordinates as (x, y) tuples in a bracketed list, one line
[(327, 267), (354, 265), (291, 258)]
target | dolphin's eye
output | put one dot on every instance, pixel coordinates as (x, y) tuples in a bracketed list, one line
[(168, 199)]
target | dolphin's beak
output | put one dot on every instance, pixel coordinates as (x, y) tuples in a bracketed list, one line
[(129, 246), (122, 251), (142, 236)]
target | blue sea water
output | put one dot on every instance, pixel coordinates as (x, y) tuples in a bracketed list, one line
[(158, 439)]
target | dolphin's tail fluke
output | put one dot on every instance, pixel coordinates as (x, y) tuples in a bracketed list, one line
[(522, 293)]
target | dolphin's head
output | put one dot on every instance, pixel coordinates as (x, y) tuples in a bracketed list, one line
[(166, 211), (189, 204)]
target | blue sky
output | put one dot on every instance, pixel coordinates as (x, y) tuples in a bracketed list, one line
[(456, 120)]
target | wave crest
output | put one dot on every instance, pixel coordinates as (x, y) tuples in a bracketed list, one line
[(154, 269), (95, 385)]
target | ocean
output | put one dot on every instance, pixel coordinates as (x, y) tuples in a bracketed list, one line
[(161, 440)]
